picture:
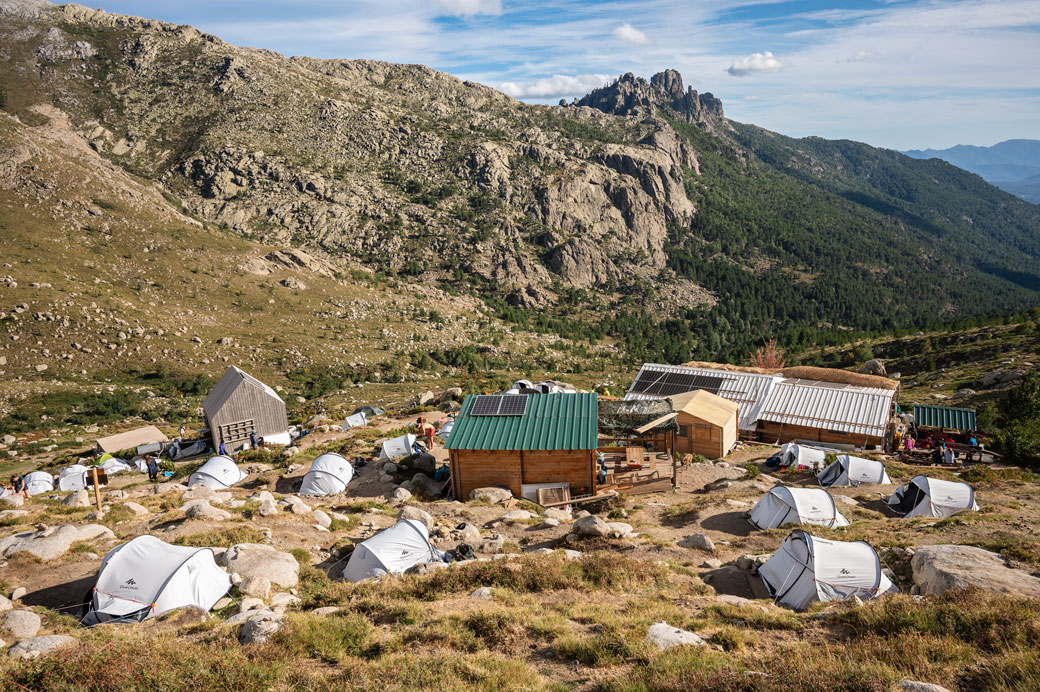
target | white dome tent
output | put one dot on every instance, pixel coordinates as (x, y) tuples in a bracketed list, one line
[(783, 505), (930, 497), (792, 454), (402, 446), (219, 473), (329, 474), (74, 477), (391, 551), (355, 420), (147, 577), (850, 470), (39, 482), (806, 569), (446, 429)]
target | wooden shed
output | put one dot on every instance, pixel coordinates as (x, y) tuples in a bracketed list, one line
[(707, 423), (525, 443), (240, 404)]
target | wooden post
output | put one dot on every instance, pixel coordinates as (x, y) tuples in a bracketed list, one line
[(97, 493)]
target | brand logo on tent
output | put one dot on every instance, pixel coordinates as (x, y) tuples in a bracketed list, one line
[(844, 572), (130, 584)]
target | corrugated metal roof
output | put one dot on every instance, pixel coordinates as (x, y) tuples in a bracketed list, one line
[(944, 417), (747, 389), (552, 421), (228, 384), (829, 406)]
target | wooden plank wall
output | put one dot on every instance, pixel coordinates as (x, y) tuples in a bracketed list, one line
[(709, 446), (471, 469), (574, 467), (769, 432), (250, 402)]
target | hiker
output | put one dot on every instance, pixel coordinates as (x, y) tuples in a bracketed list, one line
[(182, 432), (252, 439), (153, 467), (18, 486), (223, 452), (908, 445), (426, 430), (948, 455)]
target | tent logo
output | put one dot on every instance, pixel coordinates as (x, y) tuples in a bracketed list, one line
[(130, 584), (844, 572)]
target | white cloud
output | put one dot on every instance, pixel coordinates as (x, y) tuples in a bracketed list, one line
[(559, 85), (862, 55), (628, 33), (466, 8), (755, 63)]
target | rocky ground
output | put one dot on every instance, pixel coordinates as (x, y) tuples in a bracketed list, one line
[(571, 599)]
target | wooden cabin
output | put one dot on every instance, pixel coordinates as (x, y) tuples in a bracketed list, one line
[(707, 423), (240, 404), (526, 443)]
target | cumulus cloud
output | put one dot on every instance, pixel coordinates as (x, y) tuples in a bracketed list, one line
[(628, 33), (557, 86), (466, 8), (754, 64), (861, 55)]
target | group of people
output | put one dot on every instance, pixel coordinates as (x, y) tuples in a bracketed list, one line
[(944, 451)]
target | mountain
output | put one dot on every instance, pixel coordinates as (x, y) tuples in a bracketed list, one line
[(639, 216), (1012, 165)]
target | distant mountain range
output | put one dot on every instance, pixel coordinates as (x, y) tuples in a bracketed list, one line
[(1013, 165)]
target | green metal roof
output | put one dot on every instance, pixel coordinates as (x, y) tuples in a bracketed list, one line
[(552, 421), (944, 417)]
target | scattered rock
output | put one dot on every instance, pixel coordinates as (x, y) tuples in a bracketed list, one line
[(325, 611), (738, 504), (874, 366), (516, 515), (139, 510), (698, 541), (424, 568), (323, 519), (18, 592), (845, 499), (619, 529), (491, 495), (31, 648), (253, 559), (712, 564), (222, 603), (590, 526), (548, 523), (259, 587), (13, 500), (48, 543), (250, 603), (402, 495), (411, 512), (202, 492), (914, 686), (23, 624), (202, 509), (482, 594), (558, 514), (5, 604), (664, 636), (940, 568), (284, 600), (259, 628), (78, 498)]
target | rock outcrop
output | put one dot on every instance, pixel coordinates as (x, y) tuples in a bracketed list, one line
[(941, 568)]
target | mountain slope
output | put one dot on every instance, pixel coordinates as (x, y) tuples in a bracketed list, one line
[(1012, 165), (695, 234)]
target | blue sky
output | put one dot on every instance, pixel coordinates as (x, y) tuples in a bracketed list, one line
[(895, 73)]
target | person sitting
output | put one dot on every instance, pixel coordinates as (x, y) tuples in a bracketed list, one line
[(18, 486)]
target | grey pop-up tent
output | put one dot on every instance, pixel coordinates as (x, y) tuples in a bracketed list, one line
[(850, 470), (146, 577), (219, 473), (783, 505), (329, 474), (391, 551), (402, 446), (930, 497), (806, 569)]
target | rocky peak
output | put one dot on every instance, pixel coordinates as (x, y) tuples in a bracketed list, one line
[(631, 95)]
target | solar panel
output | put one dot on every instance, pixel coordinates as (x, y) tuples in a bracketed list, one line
[(499, 405), (665, 383)]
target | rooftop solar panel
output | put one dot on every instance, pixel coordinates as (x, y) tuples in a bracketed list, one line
[(664, 383), (499, 405)]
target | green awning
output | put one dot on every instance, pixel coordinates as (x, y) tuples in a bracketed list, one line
[(551, 422), (944, 417)]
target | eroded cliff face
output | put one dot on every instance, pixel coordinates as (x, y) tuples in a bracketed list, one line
[(397, 166)]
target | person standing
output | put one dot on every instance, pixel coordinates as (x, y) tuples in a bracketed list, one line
[(427, 431), (153, 467), (252, 439), (182, 431), (222, 451)]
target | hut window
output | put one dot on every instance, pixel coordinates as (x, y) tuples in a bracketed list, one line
[(702, 431), (684, 431)]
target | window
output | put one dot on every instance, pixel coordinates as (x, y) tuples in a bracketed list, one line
[(684, 431), (702, 431)]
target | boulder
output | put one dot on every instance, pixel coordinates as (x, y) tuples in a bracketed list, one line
[(558, 514), (619, 529), (421, 481), (548, 523), (13, 500), (258, 587), (590, 526), (427, 398), (914, 686), (491, 545), (664, 636), (482, 594), (491, 495), (451, 394), (698, 541), (469, 532), (49, 542), (260, 628), (139, 510), (284, 600), (255, 560), (262, 497), (401, 495), (940, 568), (424, 568), (325, 611), (845, 500), (250, 603), (77, 498), (5, 604), (874, 366), (412, 512), (31, 648), (322, 519), (516, 515), (202, 509), (23, 624), (268, 508), (202, 492)]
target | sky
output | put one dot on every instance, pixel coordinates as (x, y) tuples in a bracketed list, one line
[(902, 74)]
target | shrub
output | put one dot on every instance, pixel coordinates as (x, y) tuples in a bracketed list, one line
[(330, 639), (752, 470), (222, 538)]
